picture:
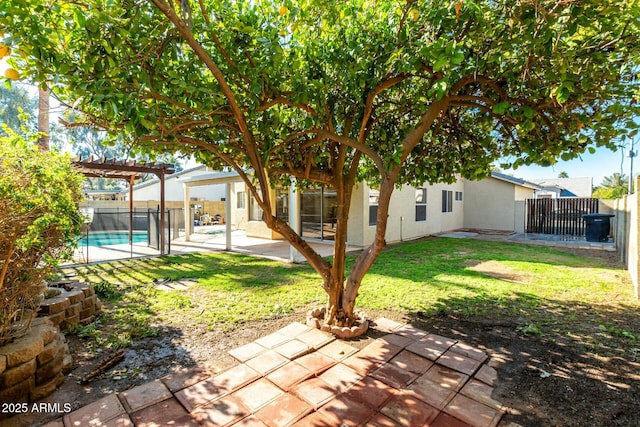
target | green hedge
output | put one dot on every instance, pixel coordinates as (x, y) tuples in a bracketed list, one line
[(39, 218)]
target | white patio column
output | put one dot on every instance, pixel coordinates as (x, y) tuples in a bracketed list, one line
[(227, 215), (294, 219), (187, 214)]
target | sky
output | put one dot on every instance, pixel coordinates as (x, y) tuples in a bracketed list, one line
[(602, 163)]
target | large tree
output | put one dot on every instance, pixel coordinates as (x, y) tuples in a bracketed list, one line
[(332, 92)]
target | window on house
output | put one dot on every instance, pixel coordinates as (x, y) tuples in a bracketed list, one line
[(447, 201), (282, 204), (241, 202), (255, 212), (421, 204), (459, 195), (373, 206)]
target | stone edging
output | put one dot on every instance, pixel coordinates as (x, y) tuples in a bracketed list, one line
[(361, 326)]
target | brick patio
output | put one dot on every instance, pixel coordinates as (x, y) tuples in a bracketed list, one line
[(300, 376)]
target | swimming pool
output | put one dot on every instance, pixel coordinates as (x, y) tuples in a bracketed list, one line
[(101, 238)]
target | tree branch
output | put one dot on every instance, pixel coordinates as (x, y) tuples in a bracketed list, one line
[(279, 100), (354, 144), (238, 114), (368, 108)]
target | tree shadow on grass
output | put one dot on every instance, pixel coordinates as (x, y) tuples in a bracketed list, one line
[(239, 271)]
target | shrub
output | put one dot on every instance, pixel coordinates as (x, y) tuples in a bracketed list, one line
[(39, 219)]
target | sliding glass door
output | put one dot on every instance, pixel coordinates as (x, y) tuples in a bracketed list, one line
[(319, 208)]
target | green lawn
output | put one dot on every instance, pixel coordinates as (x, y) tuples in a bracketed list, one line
[(545, 291)]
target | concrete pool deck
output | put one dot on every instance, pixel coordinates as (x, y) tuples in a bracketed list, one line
[(205, 239)]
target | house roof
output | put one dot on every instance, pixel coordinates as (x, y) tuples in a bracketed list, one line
[(516, 181), (212, 178), (572, 187), (116, 191), (176, 175)]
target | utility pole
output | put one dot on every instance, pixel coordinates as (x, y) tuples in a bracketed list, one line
[(631, 155)]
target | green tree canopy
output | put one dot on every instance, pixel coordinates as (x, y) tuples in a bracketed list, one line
[(612, 186), (615, 180), (330, 92), (17, 108)]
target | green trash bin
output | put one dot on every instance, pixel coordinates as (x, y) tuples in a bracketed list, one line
[(597, 227)]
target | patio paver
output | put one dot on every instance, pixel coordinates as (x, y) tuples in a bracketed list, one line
[(162, 413), (144, 395), (289, 375), (301, 377)]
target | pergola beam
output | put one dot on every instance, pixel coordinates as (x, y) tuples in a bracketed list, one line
[(121, 169)]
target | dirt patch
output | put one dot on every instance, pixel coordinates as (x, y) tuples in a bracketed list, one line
[(498, 270), (542, 382)]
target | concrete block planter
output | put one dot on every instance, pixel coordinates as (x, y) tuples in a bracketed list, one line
[(34, 365), (76, 304)]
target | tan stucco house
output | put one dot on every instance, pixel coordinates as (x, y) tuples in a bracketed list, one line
[(495, 203)]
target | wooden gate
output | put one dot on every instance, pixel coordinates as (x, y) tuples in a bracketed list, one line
[(561, 216)]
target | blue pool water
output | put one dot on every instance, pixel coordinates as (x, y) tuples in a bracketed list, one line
[(113, 238)]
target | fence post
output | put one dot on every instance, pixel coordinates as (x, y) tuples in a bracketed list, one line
[(635, 229), (168, 231)]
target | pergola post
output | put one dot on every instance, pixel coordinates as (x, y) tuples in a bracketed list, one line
[(162, 214), (226, 178), (131, 181)]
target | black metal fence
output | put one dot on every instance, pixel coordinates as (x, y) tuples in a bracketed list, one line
[(114, 234), (562, 216)]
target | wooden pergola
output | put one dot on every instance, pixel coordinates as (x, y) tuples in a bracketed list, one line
[(127, 170)]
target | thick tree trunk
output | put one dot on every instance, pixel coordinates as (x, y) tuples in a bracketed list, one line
[(367, 257), (370, 254), (334, 314)]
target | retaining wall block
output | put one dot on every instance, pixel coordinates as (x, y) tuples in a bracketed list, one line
[(17, 393), (89, 301), (22, 350), (70, 322), (44, 390), (73, 310), (50, 369), (17, 374), (75, 296), (54, 305), (49, 352)]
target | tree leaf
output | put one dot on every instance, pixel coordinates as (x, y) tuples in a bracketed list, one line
[(500, 107)]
